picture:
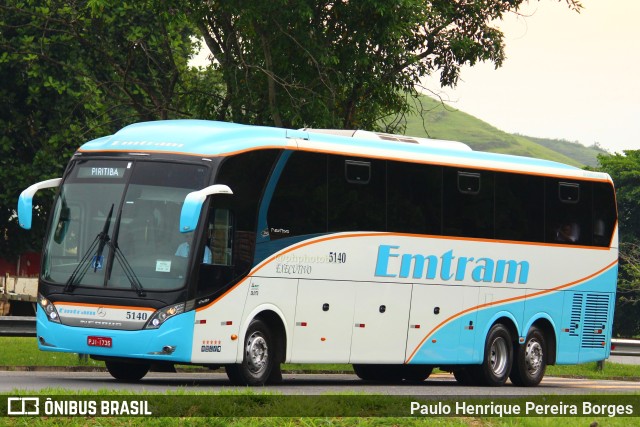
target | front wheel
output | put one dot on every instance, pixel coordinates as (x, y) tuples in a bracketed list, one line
[(259, 362), (127, 371), (498, 357), (530, 361)]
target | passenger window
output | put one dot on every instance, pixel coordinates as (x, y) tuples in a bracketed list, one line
[(468, 203), (299, 202), (356, 199), (568, 212), (519, 207), (357, 172), (414, 194)]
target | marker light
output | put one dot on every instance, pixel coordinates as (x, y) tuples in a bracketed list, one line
[(49, 309), (160, 316)]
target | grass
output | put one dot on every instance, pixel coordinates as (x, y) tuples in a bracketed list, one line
[(247, 408), (232, 408), (16, 352), (438, 121)]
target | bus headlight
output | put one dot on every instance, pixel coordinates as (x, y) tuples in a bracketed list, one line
[(160, 316), (49, 309)]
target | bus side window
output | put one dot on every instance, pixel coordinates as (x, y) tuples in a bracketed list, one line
[(569, 209), (604, 213), (468, 203), (357, 194)]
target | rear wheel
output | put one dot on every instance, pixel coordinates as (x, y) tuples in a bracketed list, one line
[(259, 362), (498, 357), (416, 373), (126, 371), (530, 361)]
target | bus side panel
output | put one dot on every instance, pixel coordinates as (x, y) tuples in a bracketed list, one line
[(492, 307), (437, 331), (380, 322), (274, 294), (216, 324), (323, 322)]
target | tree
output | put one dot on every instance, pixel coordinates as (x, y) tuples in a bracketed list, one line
[(625, 172), (342, 64), (72, 71)]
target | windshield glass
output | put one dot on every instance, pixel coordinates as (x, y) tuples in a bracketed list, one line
[(138, 244)]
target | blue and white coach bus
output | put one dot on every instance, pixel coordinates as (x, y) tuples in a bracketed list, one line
[(217, 244)]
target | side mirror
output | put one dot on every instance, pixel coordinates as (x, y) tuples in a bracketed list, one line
[(192, 206), (25, 201)]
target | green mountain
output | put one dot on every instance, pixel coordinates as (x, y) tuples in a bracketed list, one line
[(437, 120)]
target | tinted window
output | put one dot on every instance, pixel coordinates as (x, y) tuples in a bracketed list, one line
[(414, 196), (246, 174), (568, 211), (604, 213), (468, 203), (519, 207), (299, 203), (356, 204)]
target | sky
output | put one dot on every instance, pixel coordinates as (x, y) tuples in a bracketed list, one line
[(567, 75)]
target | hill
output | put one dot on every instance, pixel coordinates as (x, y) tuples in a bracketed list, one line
[(436, 120)]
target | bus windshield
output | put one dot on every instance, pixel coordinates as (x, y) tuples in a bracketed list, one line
[(116, 225)]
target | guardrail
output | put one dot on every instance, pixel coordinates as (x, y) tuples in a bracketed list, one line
[(17, 326), (623, 347), (25, 326)]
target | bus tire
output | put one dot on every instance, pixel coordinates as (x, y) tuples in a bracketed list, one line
[(465, 376), (530, 361), (416, 373), (379, 372), (259, 358), (124, 371), (498, 357)]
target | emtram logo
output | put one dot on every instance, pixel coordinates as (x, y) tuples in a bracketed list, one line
[(23, 406)]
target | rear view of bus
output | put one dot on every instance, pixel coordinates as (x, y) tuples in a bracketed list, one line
[(216, 244)]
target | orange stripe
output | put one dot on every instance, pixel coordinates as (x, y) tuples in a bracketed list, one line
[(472, 164), (504, 301), (120, 307), (381, 233)]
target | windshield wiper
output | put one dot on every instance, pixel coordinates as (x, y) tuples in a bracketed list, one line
[(81, 269), (102, 240), (128, 270)]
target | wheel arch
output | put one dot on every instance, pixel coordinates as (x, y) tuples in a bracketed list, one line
[(548, 328), (276, 321), (505, 318)]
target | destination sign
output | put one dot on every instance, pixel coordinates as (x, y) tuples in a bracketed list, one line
[(101, 172)]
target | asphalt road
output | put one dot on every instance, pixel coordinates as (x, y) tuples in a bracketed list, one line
[(301, 384)]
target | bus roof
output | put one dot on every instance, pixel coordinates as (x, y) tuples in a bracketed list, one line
[(204, 138)]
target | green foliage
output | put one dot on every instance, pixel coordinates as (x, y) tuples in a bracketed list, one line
[(72, 71), (341, 64), (432, 118), (625, 172)]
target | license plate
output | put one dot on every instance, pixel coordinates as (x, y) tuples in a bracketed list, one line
[(99, 342)]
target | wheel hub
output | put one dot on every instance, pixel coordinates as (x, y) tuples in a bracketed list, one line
[(257, 353), (533, 356), (498, 356)]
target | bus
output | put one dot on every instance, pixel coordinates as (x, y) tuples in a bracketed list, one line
[(246, 247)]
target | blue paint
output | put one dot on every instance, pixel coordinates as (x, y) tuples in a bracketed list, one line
[(176, 331), (210, 138), (449, 266), (456, 345), (25, 211)]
